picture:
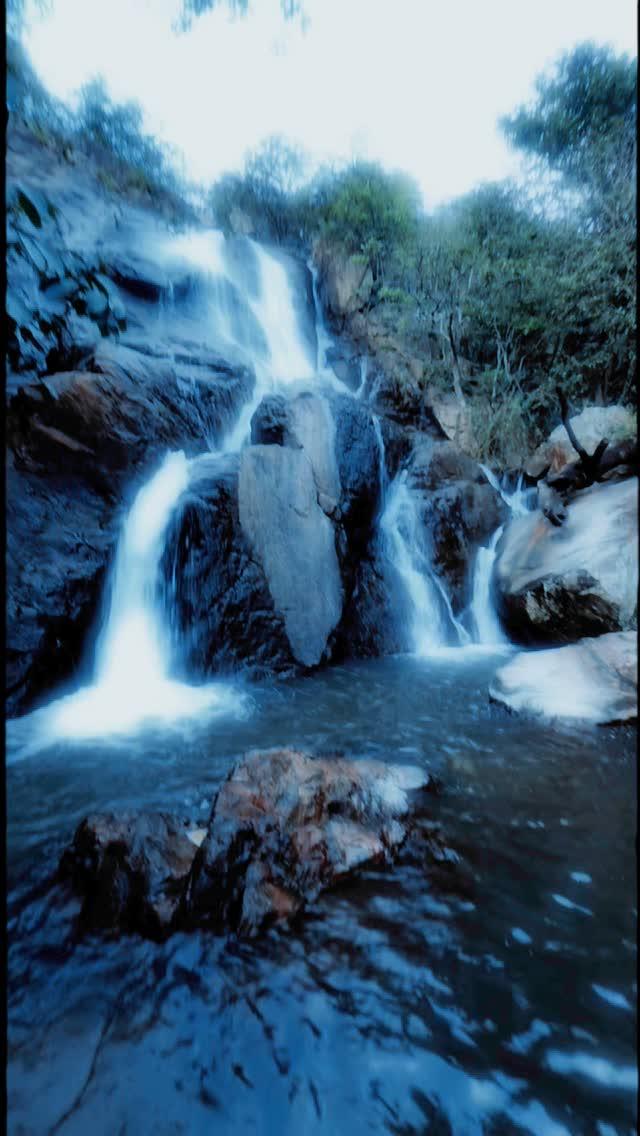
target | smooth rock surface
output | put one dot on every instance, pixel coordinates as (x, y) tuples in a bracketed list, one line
[(595, 680), (559, 584), (294, 542)]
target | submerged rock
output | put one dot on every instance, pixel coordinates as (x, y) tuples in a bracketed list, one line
[(595, 680), (285, 826), (559, 584)]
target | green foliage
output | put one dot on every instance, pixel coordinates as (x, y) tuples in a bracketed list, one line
[(111, 134), (367, 211)]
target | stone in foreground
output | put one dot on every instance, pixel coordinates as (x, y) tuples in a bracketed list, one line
[(130, 870), (595, 680), (285, 826)]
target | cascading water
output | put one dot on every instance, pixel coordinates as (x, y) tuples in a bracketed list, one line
[(131, 685), (432, 622), (487, 629), (255, 316)]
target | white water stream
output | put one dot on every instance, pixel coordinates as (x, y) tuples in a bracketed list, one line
[(132, 686), (246, 302)]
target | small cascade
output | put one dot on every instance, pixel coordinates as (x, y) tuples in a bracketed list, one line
[(519, 500), (364, 371), (131, 684), (486, 627), (485, 623), (324, 339), (382, 464), (432, 622)]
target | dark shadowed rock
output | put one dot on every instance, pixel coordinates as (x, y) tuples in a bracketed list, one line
[(222, 610), (130, 870), (285, 826), (269, 422)]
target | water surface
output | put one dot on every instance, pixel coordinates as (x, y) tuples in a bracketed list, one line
[(494, 998)]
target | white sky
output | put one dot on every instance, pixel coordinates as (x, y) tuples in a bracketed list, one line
[(416, 84)]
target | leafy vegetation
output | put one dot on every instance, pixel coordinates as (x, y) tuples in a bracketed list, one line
[(504, 298), (128, 160)]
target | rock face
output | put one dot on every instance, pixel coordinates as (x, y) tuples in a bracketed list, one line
[(285, 826), (459, 510), (592, 425), (222, 610), (594, 680), (262, 556), (294, 541), (559, 584), (130, 870)]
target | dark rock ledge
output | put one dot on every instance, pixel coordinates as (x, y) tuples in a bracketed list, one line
[(284, 827)]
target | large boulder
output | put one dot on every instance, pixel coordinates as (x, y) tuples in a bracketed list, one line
[(222, 612), (345, 282), (559, 584), (285, 826), (594, 680), (590, 426), (294, 542)]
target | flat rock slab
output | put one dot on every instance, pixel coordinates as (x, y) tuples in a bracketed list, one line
[(284, 827), (594, 680)]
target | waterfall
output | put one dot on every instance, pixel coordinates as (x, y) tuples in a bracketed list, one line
[(484, 619), (519, 500), (131, 686), (432, 623), (486, 625), (382, 464), (253, 313)]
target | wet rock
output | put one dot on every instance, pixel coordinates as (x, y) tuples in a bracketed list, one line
[(294, 542), (130, 870), (594, 680), (559, 584), (459, 511), (285, 826), (269, 422), (222, 610)]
